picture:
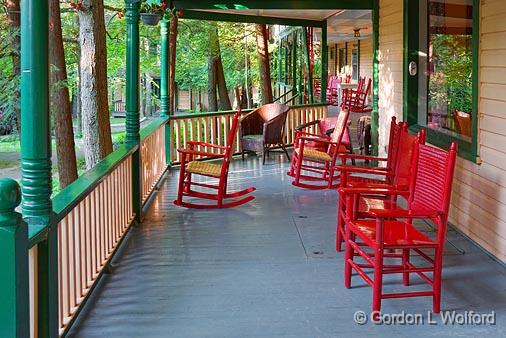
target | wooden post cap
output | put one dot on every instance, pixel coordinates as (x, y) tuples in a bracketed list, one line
[(10, 195)]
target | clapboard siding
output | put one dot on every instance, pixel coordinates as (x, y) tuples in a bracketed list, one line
[(390, 66), (478, 205), (366, 58)]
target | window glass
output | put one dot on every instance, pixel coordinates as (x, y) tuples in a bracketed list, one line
[(354, 63), (450, 66)]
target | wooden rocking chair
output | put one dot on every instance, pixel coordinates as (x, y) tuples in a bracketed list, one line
[(307, 159), (189, 167)]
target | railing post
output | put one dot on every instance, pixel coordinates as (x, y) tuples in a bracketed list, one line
[(164, 83), (132, 99), (323, 81), (36, 157), (14, 308)]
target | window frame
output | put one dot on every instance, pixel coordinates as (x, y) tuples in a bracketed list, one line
[(467, 150)]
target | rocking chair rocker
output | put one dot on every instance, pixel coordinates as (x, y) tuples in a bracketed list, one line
[(190, 166)]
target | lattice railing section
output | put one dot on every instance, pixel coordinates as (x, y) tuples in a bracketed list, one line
[(153, 161), (88, 236), (214, 127)]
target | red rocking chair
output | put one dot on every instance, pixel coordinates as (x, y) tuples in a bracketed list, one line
[(392, 230), (317, 154), (189, 167)]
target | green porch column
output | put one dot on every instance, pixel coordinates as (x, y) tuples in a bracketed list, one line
[(164, 83), (375, 79), (280, 69), (325, 64), (132, 98), (164, 68), (15, 307), (36, 156)]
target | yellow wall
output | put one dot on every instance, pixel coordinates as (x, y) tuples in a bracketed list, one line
[(365, 56), (478, 206), (390, 66)]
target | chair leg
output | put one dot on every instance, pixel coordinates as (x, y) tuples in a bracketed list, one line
[(378, 280), (438, 265), (348, 256), (182, 174), (298, 168), (266, 152), (242, 154), (405, 263)]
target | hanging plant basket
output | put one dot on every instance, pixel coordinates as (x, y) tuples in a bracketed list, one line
[(151, 19)]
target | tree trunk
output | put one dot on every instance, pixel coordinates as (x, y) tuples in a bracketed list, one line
[(14, 20), (94, 99), (60, 100), (215, 59), (264, 65), (172, 63), (212, 76)]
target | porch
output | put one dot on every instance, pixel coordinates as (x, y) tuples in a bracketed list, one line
[(269, 269)]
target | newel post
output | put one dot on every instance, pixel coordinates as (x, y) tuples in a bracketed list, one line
[(36, 182), (14, 307), (132, 99), (164, 83)]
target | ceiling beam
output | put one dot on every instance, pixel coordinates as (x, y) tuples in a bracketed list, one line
[(275, 4), (226, 17)]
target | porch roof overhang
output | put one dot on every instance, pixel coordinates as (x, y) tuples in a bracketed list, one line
[(274, 4)]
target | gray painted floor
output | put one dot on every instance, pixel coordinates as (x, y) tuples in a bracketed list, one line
[(268, 269)]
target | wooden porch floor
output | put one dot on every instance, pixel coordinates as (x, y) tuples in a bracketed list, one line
[(267, 269)]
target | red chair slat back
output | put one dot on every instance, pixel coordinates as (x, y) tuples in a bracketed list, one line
[(406, 150), (433, 180)]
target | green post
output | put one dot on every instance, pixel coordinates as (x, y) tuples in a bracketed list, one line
[(164, 68), (15, 307), (132, 98), (301, 75), (294, 64), (36, 156), (164, 83), (285, 58), (280, 69), (375, 79), (325, 65)]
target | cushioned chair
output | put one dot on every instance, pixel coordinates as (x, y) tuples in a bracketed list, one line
[(263, 128)]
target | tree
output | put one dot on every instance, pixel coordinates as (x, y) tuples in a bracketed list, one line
[(263, 63), (93, 74), (60, 101), (216, 73), (172, 62), (14, 20)]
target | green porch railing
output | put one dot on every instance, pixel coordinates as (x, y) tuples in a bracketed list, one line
[(92, 216)]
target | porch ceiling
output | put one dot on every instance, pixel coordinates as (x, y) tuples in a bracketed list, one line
[(340, 23)]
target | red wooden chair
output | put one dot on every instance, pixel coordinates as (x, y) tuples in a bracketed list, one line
[(355, 99), (319, 162), (392, 229), (189, 167), (333, 91), (398, 178)]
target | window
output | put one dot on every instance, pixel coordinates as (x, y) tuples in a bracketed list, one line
[(354, 63), (441, 93)]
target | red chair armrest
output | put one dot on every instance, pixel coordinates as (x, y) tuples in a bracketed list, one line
[(402, 213), (363, 170), (199, 153), (362, 157), (372, 191)]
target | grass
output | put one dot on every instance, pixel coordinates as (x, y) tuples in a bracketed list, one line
[(5, 164)]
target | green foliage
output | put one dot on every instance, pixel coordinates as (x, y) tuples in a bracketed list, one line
[(451, 82)]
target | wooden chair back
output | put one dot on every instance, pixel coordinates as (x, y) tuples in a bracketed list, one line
[(406, 149)]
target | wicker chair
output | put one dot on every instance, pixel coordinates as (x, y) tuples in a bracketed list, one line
[(263, 128)]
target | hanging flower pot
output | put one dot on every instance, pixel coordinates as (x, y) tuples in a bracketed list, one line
[(151, 19)]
